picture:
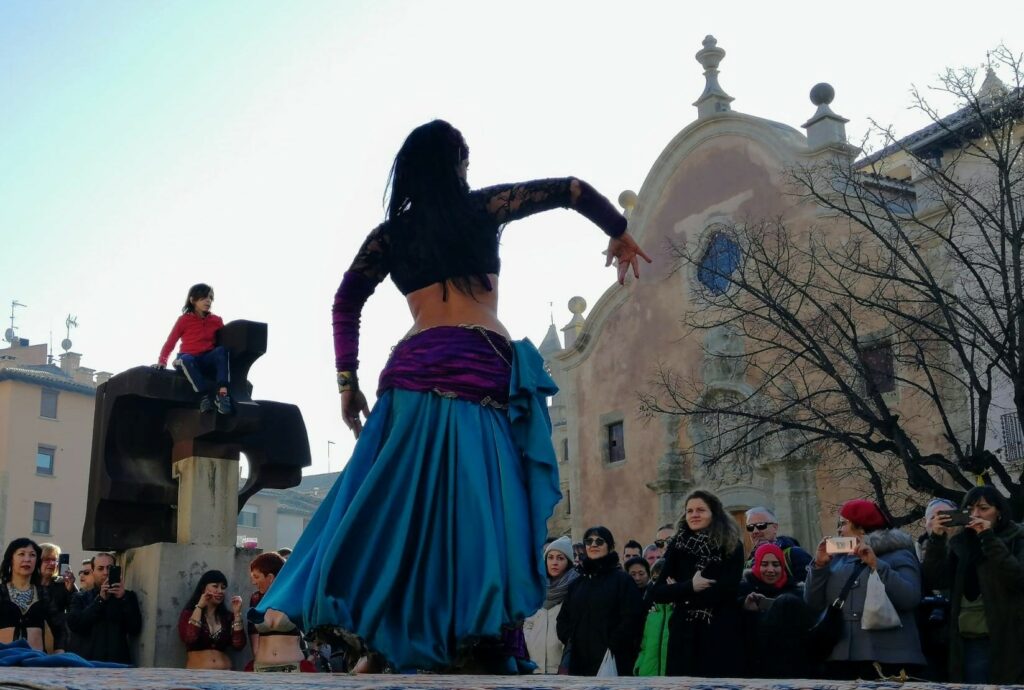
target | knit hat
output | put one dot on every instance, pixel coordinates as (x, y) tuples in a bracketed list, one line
[(604, 533), (864, 513), (763, 550), (563, 545)]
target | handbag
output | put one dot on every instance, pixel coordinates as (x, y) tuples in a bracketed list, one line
[(879, 613), (607, 669), (824, 635)]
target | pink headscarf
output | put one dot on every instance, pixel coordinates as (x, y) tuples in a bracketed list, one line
[(762, 551)]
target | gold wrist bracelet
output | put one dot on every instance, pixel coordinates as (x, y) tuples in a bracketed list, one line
[(347, 381)]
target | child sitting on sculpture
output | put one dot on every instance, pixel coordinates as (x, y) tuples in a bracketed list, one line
[(199, 356)]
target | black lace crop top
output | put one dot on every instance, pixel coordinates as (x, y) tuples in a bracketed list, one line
[(381, 256)]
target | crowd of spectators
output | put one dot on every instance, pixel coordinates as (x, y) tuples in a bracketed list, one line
[(869, 602)]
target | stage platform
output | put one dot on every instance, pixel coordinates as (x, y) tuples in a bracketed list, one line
[(176, 679)]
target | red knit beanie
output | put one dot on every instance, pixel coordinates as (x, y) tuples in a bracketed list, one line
[(864, 513)]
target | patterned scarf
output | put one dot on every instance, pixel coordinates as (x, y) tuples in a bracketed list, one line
[(22, 598), (699, 545), (558, 588)]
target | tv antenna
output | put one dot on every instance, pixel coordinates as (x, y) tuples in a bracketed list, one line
[(11, 334), (71, 321)]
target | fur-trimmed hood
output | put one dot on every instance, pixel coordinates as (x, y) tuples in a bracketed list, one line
[(885, 541)]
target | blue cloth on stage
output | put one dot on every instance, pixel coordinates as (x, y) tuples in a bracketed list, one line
[(432, 535), (18, 653)]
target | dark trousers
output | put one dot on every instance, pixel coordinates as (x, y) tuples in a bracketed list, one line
[(977, 659), (206, 372)]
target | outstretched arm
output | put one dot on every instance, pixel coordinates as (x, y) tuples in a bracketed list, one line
[(369, 268), (509, 202)]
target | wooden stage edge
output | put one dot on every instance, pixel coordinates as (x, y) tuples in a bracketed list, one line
[(178, 679)]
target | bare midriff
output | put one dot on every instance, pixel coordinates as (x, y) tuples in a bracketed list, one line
[(34, 637), (208, 659), (278, 649), (429, 308)]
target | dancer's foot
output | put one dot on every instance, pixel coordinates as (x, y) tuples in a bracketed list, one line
[(367, 664), (206, 404), (223, 403)]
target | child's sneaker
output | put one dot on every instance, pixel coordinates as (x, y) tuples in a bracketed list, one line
[(223, 404), (206, 404)]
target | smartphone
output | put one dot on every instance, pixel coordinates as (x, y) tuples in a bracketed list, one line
[(957, 518), (64, 564), (114, 577), (840, 544)]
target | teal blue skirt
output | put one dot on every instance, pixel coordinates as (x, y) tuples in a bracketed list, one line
[(431, 537)]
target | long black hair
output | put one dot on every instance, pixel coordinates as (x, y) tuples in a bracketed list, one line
[(197, 593), (428, 203), (197, 291), (7, 566)]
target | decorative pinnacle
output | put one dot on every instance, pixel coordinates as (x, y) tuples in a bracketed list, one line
[(714, 99)]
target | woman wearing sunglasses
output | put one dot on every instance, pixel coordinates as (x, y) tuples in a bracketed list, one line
[(703, 567), (602, 611)]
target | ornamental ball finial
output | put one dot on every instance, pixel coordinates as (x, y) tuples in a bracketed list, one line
[(577, 305), (627, 199), (822, 94)]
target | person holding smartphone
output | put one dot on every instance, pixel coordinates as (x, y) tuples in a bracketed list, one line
[(60, 584), (105, 616), (867, 543), (983, 567)]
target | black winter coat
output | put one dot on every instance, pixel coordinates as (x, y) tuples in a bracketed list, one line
[(103, 627), (775, 640), (1000, 564), (696, 648), (603, 610)]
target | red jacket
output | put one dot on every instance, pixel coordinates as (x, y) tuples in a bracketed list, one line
[(197, 335)]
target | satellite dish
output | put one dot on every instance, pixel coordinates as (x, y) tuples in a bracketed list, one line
[(9, 335)]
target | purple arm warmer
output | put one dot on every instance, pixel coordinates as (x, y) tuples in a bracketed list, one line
[(352, 294), (598, 210)]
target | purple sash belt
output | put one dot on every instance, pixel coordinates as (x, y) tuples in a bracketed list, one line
[(465, 362)]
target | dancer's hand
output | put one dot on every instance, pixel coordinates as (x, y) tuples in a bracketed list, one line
[(352, 403), (625, 251)]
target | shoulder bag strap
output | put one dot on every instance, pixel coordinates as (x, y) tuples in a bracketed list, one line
[(841, 599)]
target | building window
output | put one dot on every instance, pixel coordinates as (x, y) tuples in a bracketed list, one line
[(568, 502), (1013, 439), (249, 516), (879, 368), (720, 261), (44, 460), (565, 450), (48, 404), (616, 443), (41, 518)]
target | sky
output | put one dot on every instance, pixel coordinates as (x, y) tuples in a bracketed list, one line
[(147, 146)]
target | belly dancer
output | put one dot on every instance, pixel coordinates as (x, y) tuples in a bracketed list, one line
[(453, 476)]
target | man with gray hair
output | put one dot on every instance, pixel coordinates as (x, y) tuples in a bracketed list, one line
[(763, 528)]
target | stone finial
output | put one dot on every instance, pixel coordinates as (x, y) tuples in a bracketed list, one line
[(714, 99), (824, 127), (992, 88), (577, 305), (627, 200)]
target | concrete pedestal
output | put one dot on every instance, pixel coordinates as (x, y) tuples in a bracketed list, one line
[(207, 501)]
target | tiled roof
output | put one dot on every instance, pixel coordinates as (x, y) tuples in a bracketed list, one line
[(47, 375)]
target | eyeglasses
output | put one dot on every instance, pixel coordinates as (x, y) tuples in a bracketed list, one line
[(594, 541), (49, 560), (82, 572), (660, 543), (759, 526)]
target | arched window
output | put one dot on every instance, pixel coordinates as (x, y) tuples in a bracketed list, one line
[(720, 261)]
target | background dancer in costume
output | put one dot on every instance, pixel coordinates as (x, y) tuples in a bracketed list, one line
[(199, 357), (456, 457)]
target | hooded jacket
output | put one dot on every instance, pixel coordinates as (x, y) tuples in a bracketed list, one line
[(900, 573), (1001, 581), (603, 610)]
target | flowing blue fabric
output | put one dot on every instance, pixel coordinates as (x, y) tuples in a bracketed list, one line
[(430, 537), (18, 653)]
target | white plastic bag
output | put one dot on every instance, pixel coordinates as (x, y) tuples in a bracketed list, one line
[(608, 669), (879, 613)]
